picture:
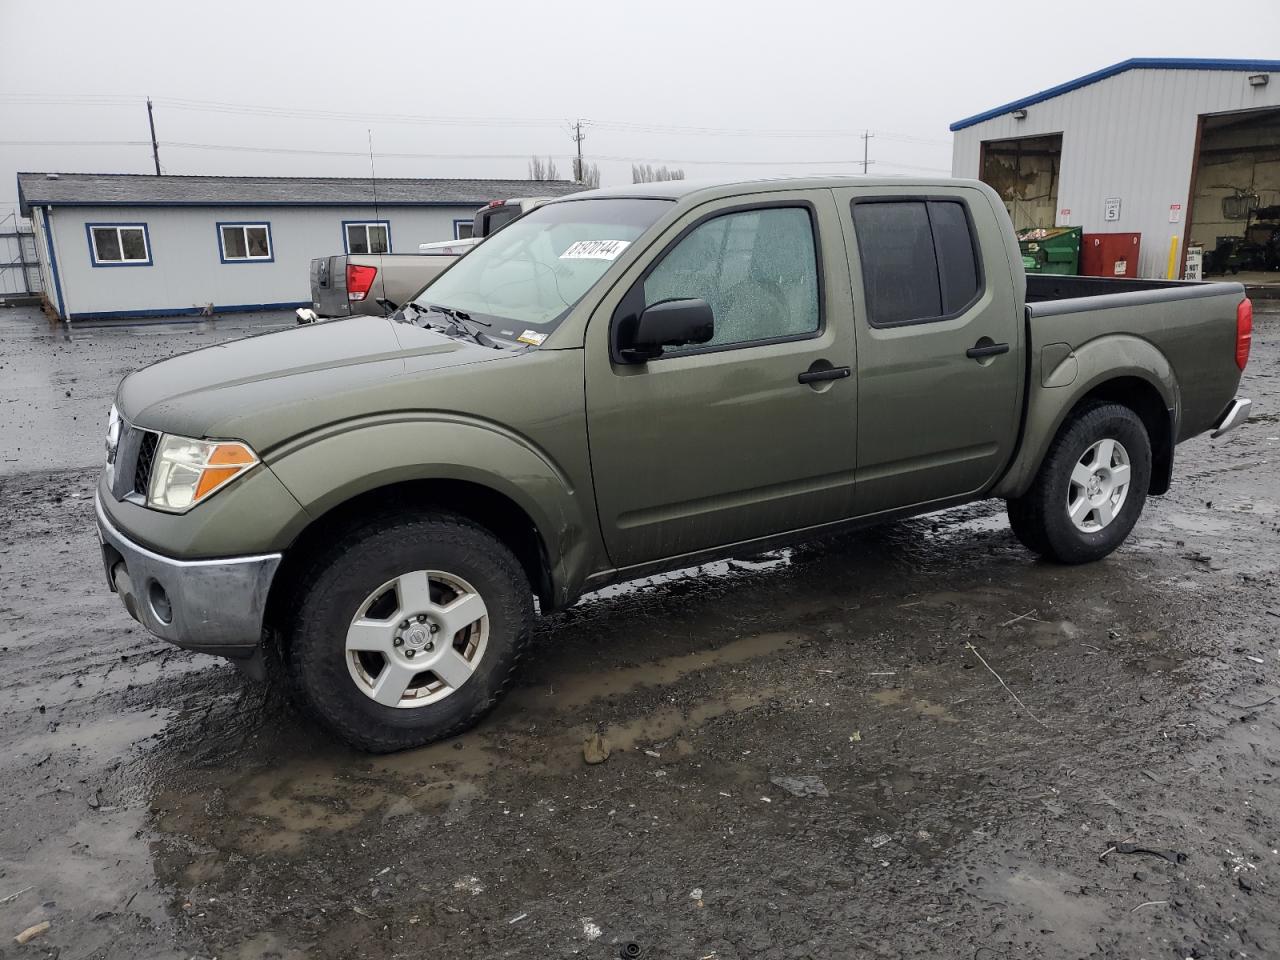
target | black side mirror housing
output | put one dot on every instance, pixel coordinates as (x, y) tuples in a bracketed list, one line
[(668, 323)]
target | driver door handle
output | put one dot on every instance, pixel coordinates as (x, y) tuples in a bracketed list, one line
[(831, 373)]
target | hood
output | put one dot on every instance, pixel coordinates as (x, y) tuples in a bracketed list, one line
[(264, 388)]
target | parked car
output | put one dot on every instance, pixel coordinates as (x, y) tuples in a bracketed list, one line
[(629, 381), (376, 283)]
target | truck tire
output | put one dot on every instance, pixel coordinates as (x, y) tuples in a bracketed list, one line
[(1090, 489), (408, 630)]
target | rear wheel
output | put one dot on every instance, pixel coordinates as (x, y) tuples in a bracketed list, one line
[(408, 631), (1090, 489)]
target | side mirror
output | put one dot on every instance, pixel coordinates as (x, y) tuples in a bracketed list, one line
[(668, 323)]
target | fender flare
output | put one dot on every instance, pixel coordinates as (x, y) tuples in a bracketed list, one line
[(1098, 362), (327, 468)]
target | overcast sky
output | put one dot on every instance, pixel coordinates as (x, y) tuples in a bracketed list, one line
[(771, 89)]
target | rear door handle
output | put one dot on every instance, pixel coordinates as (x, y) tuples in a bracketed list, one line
[(987, 349), (831, 373)]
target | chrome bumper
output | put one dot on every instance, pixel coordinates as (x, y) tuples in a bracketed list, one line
[(1237, 412), (212, 605)]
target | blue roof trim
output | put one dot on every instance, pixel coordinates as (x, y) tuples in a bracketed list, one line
[(187, 311), (1134, 63)]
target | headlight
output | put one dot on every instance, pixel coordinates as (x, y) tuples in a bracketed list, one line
[(187, 471), (113, 433)]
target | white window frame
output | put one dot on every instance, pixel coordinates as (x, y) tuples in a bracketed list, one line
[(470, 224), (346, 236), (244, 229), (118, 228)]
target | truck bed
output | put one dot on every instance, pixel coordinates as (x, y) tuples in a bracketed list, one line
[(1190, 324), (399, 276), (1046, 287)]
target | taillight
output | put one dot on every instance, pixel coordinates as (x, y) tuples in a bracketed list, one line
[(1244, 331), (360, 280)]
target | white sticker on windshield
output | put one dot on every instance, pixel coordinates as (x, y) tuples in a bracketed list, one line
[(595, 250), (532, 337)]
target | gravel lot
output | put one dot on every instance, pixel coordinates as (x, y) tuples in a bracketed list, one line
[(812, 756)]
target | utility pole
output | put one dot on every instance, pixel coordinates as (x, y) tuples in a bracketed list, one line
[(866, 149), (578, 137), (155, 147)]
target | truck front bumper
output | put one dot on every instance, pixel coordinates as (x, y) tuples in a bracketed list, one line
[(1237, 412), (214, 606)]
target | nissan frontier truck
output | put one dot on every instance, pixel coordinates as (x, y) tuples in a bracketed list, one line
[(629, 381)]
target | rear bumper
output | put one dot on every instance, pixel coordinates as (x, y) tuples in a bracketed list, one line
[(214, 606), (1237, 412)]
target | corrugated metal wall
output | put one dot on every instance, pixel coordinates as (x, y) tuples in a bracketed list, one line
[(1131, 137)]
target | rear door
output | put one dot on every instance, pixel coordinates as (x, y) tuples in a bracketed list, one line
[(940, 351), (753, 433)]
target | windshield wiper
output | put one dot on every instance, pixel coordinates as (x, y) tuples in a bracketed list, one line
[(458, 315), (458, 324)]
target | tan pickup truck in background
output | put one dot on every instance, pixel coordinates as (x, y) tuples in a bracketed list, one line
[(348, 284)]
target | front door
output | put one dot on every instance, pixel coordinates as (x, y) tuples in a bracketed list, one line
[(939, 344), (735, 439)]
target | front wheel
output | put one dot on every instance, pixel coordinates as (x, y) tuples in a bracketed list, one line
[(1090, 489), (408, 631)]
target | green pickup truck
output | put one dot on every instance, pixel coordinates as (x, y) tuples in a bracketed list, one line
[(628, 381)]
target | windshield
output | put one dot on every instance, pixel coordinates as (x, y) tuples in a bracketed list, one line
[(534, 270)]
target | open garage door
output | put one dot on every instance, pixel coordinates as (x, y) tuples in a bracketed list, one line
[(1235, 198), (1025, 171)]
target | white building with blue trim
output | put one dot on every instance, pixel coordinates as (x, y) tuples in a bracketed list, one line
[(1179, 151), (130, 245)]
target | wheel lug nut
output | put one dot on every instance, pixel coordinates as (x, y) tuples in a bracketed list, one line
[(422, 618), (398, 642), (429, 645), (409, 654), (435, 628), (405, 625)]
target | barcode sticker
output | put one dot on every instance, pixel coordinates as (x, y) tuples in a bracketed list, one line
[(595, 250)]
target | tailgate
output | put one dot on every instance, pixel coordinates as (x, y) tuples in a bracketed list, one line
[(329, 287)]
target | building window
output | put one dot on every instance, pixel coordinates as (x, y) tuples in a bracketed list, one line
[(367, 236), (119, 244), (462, 229), (245, 242)]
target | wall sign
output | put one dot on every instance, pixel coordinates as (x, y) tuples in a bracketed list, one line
[(1111, 209), (1175, 212)]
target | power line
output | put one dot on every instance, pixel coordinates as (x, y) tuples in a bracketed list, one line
[(75, 143), (302, 113), (305, 151)]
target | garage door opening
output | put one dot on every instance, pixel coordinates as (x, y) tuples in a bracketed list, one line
[(1235, 197), (1024, 171)]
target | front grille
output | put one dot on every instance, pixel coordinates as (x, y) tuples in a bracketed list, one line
[(145, 461)]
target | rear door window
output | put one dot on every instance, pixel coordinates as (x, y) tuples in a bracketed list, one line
[(919, 259)]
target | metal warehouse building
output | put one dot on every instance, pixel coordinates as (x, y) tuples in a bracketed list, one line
[(1177, 152), (128, 245)]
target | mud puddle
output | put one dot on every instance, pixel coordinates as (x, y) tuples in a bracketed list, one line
[(157, 805)]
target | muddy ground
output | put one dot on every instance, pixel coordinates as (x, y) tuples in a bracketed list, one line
[(810, 759)]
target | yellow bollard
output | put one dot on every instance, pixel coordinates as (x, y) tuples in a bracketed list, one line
[(1173, 257)]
